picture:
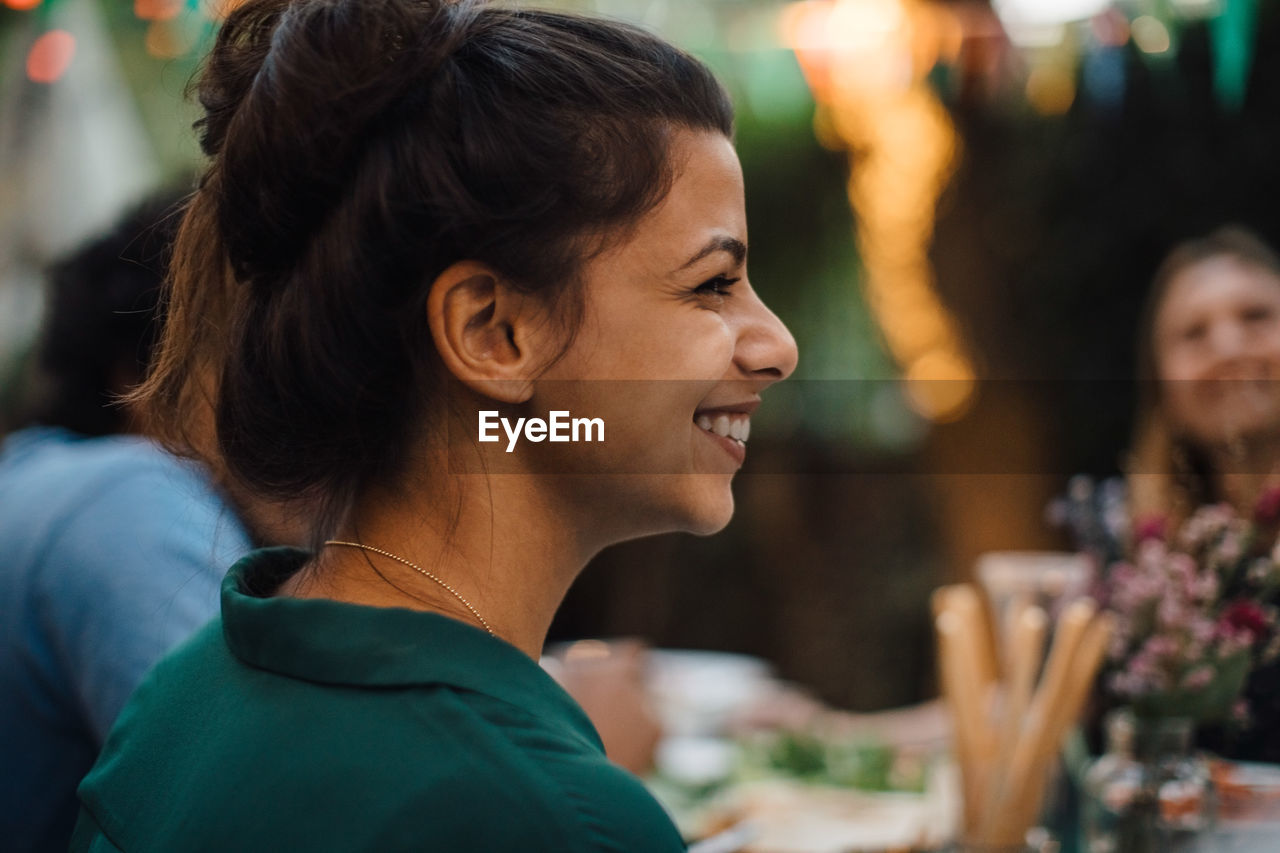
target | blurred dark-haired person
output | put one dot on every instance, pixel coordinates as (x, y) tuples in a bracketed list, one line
[(112, 547), (416, 214)]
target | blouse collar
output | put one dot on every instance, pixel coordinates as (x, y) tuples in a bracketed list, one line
[(338, 643)]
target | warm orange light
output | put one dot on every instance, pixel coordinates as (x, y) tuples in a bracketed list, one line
[(22, 5), (50, 56), (157, 10), (866, 62), (1051, 90), (940, 385)]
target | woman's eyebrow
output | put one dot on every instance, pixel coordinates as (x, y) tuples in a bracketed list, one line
[(723, 243)]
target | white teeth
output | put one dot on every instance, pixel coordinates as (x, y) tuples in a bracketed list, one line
[(736, 427)]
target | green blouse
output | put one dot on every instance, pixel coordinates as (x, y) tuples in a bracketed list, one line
[(314, 725)]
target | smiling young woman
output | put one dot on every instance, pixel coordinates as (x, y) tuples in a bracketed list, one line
[(416, 210), (1209, 369)]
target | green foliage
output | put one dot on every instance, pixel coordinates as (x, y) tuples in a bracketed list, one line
[(1209, 704), (840, 762)]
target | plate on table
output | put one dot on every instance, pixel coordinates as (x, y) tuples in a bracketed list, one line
[(697, 693)]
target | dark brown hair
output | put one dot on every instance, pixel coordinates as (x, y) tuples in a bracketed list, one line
[(1175, 474), (102, 316), (357, 149)]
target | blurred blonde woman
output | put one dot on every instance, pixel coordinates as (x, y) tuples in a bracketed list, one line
[(1208, 425)]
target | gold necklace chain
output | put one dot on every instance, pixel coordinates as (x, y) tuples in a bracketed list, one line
[(417, 568)]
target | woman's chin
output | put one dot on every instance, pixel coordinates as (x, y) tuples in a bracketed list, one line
[(711, 513), (1247, 427)]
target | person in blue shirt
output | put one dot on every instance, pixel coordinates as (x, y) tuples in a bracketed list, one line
[(113, 548)]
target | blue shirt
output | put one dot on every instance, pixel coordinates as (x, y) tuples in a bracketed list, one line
[(112, 554)]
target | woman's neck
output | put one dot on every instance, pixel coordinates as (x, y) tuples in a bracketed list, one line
[(497, 541)]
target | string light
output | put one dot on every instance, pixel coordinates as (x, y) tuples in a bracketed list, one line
[(865, 61)]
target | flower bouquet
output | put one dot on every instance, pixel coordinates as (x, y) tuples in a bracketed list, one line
[(1194, 612), (1195, 615)]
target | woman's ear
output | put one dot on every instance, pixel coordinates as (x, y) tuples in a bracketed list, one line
[(485, 331)]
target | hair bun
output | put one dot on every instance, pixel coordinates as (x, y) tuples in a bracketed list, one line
[(293, 90)]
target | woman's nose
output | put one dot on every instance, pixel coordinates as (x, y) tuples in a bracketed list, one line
[(1228, 339), (766, 348)]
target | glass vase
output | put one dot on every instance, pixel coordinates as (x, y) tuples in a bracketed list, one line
[(1150, 792)]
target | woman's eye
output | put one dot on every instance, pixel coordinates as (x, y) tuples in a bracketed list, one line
[(718, 286), (1258, 314), (1194, 333)]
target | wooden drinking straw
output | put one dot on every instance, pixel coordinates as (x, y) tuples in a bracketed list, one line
[(1024, 651), (1004, 762)]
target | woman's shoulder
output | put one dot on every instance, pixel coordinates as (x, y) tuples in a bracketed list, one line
[(553, 777), (278, 759), (480, 773)]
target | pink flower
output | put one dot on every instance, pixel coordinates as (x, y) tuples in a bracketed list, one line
[(1202, 630), (1205, 525), (1151, 527), (1245, 617), (1205, 587), (1231, 548), (1185, 601), (1198, 678), (1233, 641), (1173, 612), (1159, 646), (1266, 511)]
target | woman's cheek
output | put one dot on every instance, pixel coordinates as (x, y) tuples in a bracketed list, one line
[(696, 351), (722, 343), (1178, 364)]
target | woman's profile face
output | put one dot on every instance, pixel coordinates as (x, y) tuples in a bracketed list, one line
[(672, 353), (1217, 347)]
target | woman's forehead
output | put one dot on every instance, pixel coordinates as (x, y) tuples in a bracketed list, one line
[(704, 205), (1207, 283)]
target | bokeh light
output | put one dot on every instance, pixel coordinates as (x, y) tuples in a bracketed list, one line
[(50, 56), (158, 10), (867, 63), (22, 5), (1150, 35), (168, 39), (1051, 90)]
